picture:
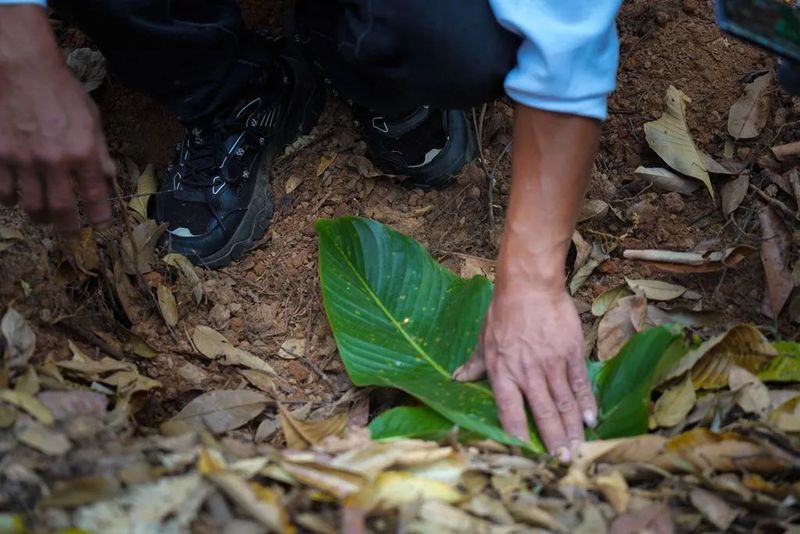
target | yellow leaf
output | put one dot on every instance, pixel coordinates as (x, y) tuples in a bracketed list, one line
[(146, 185), (787, 415), (675, 404), (669, 137), (141, 348), (615, 490), (303, 434), (335, 481), (743, 345), (325, 161), (167, 305), (394, 488), (29, 403)]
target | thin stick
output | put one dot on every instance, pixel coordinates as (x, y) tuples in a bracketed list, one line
[(775, 203)]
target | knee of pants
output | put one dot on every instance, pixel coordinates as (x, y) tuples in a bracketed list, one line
[(449, 53)]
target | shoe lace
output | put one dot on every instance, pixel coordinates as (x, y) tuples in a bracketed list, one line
[(203, 159)]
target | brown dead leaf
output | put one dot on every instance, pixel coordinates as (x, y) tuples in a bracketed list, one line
[(223, 410), (167, 305), (262, 380), (653, 519), (325, 161), (615, 490), (713, 508), (126, 293), (669, 137), (66, 405), (20, 339), (667, 181), (476, 266), (303, 434), (619, 325), (691, 262), (656, 289), (733, 192), (608, 299), (776, 240), (292, 348), (188, 273), (710, 363), (593, 208), (81, 250), (675, 404), (42, 438), (9, 236), (752, 395), (140, 244), (749, 114)]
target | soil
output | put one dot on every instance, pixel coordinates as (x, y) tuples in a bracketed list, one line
[(272, 294)]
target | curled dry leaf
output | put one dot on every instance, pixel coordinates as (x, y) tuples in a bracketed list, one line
[(583, 250), (710, 363), (669, 137), (620, 324), (597, 256), (691, 262), (615, 490), (751, 394), (667, 181), (749, 114), (223, 410), (593, 208), (188, 272), (140, 244), (20, 339), (146, 185), (167, 305), (715, 167), (675, 404), (656, 289), (713, 508), (776, 240), (733, 192), (303, 434), (608, 299)]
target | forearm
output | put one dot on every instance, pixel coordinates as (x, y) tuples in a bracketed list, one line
[(551, 164), (25, 36)]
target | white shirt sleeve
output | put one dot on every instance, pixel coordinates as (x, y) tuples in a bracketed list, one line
[(568, 58)]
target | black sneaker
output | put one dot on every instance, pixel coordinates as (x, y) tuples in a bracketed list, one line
[(429, 146), (216, 198)]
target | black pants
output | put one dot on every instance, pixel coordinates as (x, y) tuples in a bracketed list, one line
[(194, 56)]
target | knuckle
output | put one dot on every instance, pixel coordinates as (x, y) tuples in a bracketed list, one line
[(545, 413), (565, 405)]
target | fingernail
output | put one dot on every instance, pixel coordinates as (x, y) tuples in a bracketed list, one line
[(590, 418), (457, 373), (563, 455)]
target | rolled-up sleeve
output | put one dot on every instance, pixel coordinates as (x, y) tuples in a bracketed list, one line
[(568, 59)]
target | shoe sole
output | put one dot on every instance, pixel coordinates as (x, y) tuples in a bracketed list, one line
[(304, 113)]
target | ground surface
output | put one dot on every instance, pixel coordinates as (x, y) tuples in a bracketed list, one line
[(272, 294)]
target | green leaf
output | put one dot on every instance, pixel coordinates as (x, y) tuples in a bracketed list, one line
[(625, 382), (785, 367), (410, 422), (402, 320)]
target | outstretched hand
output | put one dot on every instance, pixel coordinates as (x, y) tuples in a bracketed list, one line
[(531, 346), (51, 141)]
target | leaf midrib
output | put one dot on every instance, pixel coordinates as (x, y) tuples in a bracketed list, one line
[(396, 324)]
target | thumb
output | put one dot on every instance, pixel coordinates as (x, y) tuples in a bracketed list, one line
[(474, 369)]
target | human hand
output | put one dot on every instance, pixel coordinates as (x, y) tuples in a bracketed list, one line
[(531, 346), (50, 135)]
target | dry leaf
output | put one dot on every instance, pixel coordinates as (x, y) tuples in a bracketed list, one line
[(749, 114), (89, 66), (669, 137), (675, 404), (42, 438), (715, 167), (476, 266), (608, 299), (79, 492), (20, 339), (583, 250), (28, 403), (713, 508), (615, 490), (656, 289), (596, 257), (667, 181), (653, 519), (167, 305), (393, 488), (81, 250), (188, 272), (336, 481), (776, 240), (292, 348), (593, 208), (223, 410), (743, 346), (752, 395), (303, 434), (140, 243), (9, 236), (293, 183), (66, 405), (266, 429), (733, 192), (146, 185), (212, 344), (141, 348), (126, 293), (787, 415), (260, 379), (691, 262), (325, 161), (619, 325)]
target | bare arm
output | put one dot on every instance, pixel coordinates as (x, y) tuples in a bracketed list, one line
[(51, 142), (532, 342)]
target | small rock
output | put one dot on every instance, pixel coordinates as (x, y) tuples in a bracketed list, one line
[(474, 192), (674, 202), (609, 266), (219, 315), (662, 17), (691, 7)]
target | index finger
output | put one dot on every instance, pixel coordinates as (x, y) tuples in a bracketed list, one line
[(93, 177)]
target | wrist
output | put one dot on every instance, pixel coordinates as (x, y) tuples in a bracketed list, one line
[(26, 39)]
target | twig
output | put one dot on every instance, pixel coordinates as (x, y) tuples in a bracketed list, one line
[(775, 203), (91, 338), (486, 172)]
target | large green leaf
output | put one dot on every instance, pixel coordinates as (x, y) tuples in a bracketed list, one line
[(625, 382), (402, 320), (410, 422)]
